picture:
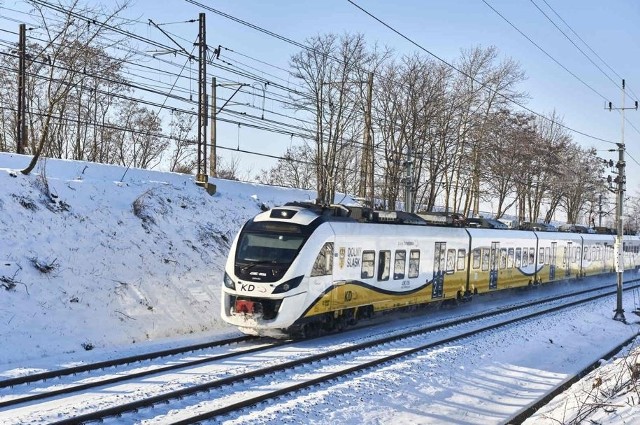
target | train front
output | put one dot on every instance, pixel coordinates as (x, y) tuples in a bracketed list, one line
[(266, 274)]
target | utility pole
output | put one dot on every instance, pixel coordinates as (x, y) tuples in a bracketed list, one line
[(201, 176), (366, 164), (214, 113), (619, 244), (600, 211), (408, 182), (21, 130)]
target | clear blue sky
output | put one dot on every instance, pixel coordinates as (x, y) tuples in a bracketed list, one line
[(610, 28)]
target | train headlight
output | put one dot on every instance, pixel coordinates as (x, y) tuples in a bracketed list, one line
[(228, 282), (288, 285)]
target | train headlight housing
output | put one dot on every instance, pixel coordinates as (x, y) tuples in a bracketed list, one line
[(288, 285), (228, 282)]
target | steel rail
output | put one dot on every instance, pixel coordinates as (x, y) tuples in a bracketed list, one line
[(206, 387)]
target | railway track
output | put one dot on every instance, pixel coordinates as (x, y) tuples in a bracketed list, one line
[(261, 368), (88, 376)]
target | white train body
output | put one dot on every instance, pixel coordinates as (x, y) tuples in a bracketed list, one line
[(295, 268)]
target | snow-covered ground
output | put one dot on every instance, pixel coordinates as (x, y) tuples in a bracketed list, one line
[(99, 261)]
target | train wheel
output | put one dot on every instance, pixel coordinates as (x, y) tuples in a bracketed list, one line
[(310, 330), (364, 312)]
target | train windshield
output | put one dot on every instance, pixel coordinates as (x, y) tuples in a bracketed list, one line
[(269, 243)]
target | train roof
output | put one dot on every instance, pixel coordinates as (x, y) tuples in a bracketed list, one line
[(305, 212)]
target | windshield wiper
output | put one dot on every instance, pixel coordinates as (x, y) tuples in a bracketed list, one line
[(257, 263)]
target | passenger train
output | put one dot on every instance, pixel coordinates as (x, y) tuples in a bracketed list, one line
[(303, 269)]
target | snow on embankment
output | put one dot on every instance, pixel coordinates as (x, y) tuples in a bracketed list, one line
[(96, 256)]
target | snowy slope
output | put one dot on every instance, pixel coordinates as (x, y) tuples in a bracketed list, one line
[(113, 256)]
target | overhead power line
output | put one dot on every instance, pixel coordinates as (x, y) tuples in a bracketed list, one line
[(544, 51)]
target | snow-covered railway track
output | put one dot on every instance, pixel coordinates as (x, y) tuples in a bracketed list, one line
[(222, 386), (38, 386)]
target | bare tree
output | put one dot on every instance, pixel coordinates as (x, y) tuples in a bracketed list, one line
[(632, 215), (228, 169), (409, 95), (295, 169), (65, 60), (182, 156), (331, 71), (582, 180), (139, 141), (505, 161), (544, 180), (487, 86)]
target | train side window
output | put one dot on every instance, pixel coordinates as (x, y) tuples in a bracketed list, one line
[(547, 255), (585, 253), (525, 257), (324, 261), (599, 252), (462, 259), (414, 263), (518, 257), (541, 256), (503, 258), (485, 259), (578, 255), (532, 256), (451, 260), (476, 258), (399, 265), (384, 265), (368, 264), (510, 259)]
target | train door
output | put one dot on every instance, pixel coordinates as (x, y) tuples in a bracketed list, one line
[(567, 260), (439, 269), (493, 265), (552, 261)]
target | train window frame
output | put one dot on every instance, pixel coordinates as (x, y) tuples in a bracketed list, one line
[(369, 263), (384, 265), (541, 255), (476, 258), (532, 256), (510, 258), (547, 255), (451, 261), (525, 257), (486, 259), (323, 265), (414, 264), (518, 258), (461, 264), (503, 259), (399, 264), (600, 253)]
